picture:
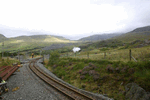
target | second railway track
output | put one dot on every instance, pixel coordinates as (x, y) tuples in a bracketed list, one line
[(70, 92)]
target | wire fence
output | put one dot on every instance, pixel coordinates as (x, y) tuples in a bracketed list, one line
[(125, 55)]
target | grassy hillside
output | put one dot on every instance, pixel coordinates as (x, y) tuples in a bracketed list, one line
[(2, 37), (141, 33), (141, 29), (99, 37), (129, 37), (31, 42)]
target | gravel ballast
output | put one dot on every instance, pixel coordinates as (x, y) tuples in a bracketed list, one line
[(24, 85)]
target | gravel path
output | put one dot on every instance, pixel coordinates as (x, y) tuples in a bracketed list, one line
[(30, 87)]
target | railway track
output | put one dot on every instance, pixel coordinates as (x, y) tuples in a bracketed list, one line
[(66, 90)]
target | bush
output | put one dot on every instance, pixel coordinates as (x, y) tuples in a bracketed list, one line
[(60, 73), (54, 58), (63, 62), (79, 65), (104, 49)]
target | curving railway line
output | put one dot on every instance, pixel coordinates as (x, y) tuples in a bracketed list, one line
[(66, 90)]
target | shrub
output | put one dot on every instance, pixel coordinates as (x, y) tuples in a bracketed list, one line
[(104, 49), (54, 58), (80, 65), (63, 62)]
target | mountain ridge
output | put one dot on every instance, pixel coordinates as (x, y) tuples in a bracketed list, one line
[(99, 37), (141, 29), (140, 33), (2, 37)]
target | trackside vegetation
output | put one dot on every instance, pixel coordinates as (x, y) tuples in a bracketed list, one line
[(7, 61), (100, 76)]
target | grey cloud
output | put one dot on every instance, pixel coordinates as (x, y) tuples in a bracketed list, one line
[(138, 12)]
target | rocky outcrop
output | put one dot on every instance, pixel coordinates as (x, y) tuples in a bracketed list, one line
[(135, 92)]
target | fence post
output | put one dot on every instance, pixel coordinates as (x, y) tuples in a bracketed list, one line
[(130, 54), (104, 55), (48, 56), (19, 56), (88, 55)]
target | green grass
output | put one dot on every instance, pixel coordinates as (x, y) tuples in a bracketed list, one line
[(116, 54), (68, 70), (7, 61)]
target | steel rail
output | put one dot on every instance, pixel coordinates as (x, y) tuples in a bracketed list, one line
[(70, 92)]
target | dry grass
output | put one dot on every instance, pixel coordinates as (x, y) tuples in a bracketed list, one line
[(114, 54)]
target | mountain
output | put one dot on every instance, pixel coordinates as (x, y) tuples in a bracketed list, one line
[(41, 38), (141, 29), (33, 42), (57, 46), (99, 37), (2, 37), (140, 33)]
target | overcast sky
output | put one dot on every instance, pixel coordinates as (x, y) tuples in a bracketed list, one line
[(72, 18)]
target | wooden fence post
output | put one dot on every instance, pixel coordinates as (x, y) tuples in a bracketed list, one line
[(88, 55), (130, 54), (104, 55), (48, 56), (19, 55)]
